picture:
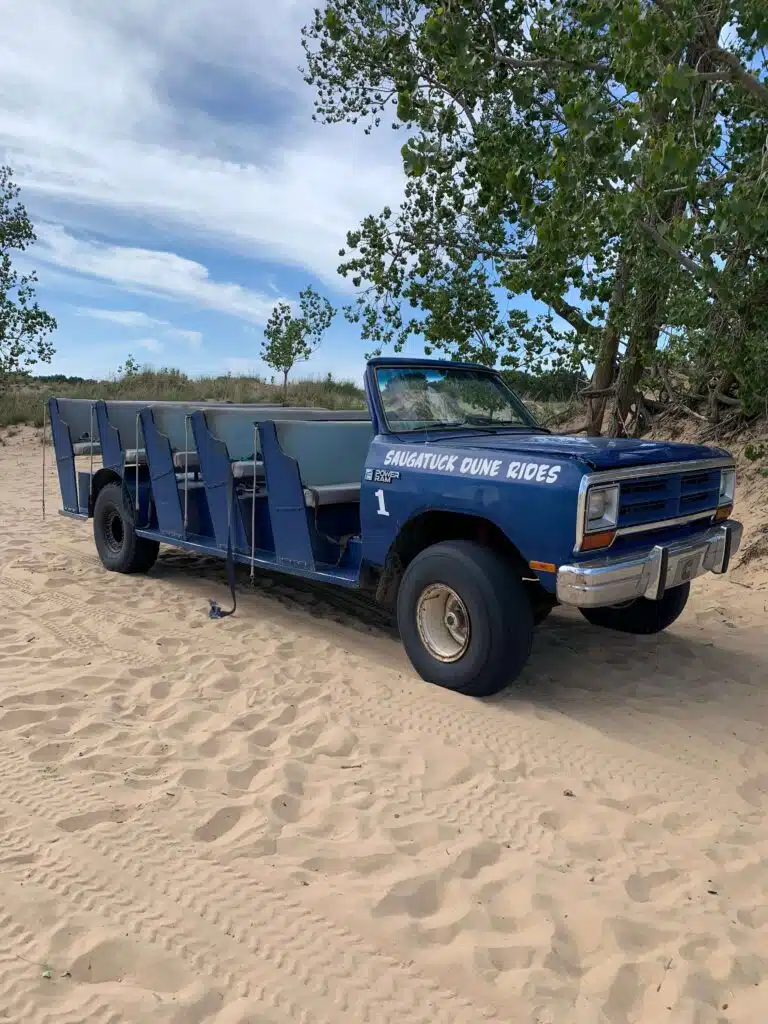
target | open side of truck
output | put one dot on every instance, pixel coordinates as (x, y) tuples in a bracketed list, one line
[(278, 488)]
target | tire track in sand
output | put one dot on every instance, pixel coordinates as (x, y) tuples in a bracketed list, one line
[(68, 635), (18, 968), (496, 727), (268, 935), (511, 817)]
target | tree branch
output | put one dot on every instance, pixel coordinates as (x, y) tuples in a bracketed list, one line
[(740, 73), (698, 271), (571, 315), (736, 69), (727, 400)]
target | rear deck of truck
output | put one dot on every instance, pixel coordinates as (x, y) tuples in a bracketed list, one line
[(269, 486)]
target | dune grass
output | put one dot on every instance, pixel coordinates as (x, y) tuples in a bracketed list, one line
[(22, 402)]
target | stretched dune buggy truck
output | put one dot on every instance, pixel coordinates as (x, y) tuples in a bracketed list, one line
[(445, 500)]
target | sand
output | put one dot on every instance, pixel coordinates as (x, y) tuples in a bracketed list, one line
[(270, 818)]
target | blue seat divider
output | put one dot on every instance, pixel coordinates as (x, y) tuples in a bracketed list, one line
[(112, 450), (165, 489), (65, 459), (287, 509), (217, 479)]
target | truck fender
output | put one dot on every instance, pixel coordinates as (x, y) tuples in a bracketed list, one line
[(435, 525)]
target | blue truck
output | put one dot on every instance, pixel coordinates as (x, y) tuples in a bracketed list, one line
[(445, 501)]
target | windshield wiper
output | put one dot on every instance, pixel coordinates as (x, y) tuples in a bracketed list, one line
[(489, 427)]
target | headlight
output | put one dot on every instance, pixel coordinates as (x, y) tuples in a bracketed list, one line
[(727, 486), (602, 512)]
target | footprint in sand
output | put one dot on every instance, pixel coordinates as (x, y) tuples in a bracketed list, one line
[(82, 822), (242, 1011), (223, 821), (120, 960), (286, 807), (498, 959), (755, 791), (50, 752), (414, 897), (643, 888), (45, 698), (241, 778), (20, 717), (628, 990), (635, 937)]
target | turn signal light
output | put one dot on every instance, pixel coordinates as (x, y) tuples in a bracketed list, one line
[(543, 566), (723, 512), (593, 541)]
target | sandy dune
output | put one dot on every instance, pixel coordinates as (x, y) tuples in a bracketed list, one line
[(270, 818)]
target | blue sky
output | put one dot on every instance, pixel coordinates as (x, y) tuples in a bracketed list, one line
[(176, 180)]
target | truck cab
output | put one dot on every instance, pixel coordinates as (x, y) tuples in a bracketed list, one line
[(477, 521), (446, 501)]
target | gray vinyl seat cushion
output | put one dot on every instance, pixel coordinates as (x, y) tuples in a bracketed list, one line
[(86, 448), (247, 469), (331, 494), (134, 456), (186, 460), (242, 469)]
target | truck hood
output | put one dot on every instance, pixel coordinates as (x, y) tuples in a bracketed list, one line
[(597, 452)]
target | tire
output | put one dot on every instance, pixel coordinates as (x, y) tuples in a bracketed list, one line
[(497, 607), (642, 616), (114, 532), (541, 612)]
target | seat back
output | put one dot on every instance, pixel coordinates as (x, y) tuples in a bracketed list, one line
[(123, 416), (79, 416), (327, 452)]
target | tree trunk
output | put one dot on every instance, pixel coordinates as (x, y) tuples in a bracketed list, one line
[(643, 339), (605, 365), (651, 300), (285, 386)]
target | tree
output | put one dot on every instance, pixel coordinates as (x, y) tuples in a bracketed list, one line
[(603, 156), (292, 339), (130, 368), (24, 326)]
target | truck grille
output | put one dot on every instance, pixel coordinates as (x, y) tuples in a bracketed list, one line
[(667, 497)]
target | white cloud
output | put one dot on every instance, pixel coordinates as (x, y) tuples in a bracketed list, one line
[(195, 338), (150, 272), (88, 117), (123, 317), (150, 344), (136, 318)]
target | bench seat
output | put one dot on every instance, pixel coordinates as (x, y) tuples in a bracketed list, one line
[(191, 461), (135, 455), (242, 469), (247, 469), (332, 494), (86, 448)]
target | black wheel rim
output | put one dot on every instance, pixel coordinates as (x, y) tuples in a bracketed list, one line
[(114, 532)]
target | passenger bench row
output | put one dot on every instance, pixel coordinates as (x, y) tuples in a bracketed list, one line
[(330, 447)]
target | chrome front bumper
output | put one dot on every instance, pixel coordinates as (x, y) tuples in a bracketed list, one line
[(607, 581)]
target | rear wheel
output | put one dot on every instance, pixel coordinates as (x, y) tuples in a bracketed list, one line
[(114, 532), (464, 618), (642, 616)]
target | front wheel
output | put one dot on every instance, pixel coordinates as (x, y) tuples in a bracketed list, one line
[(464, 618), (642, 616), (114, 532)]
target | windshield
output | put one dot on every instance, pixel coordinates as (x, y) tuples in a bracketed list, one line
[(423, 398)]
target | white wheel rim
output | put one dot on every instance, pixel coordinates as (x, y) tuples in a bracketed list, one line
[(443, 622)]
